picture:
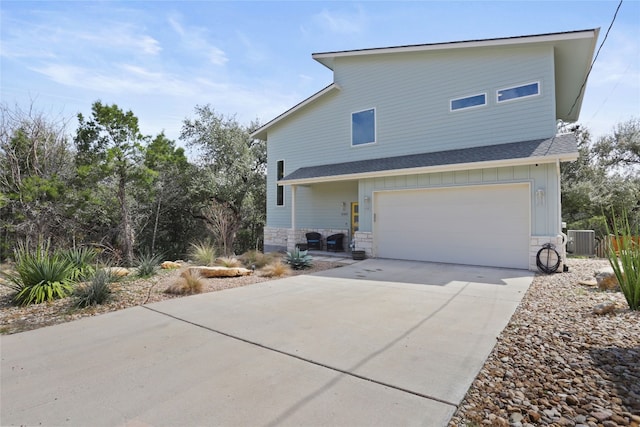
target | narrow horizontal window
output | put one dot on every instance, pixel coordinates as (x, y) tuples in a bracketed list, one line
[(363, 127), (469, 102), (531, 89)]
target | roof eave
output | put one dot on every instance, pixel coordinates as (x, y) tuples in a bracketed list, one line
[(261, 132), (327, 58), (566, 157)]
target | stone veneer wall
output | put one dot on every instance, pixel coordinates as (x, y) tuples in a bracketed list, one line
[(535, 245), (364, 241), (285, 239)]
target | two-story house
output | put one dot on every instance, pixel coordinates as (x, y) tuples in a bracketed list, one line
[(442, 152)]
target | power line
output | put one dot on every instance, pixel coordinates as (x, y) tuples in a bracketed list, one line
[(584, 83)]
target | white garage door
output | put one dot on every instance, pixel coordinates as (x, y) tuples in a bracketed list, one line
[(477, 225)]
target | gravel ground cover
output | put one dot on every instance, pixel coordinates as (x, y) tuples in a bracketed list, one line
[(126, 293), (559, 364)]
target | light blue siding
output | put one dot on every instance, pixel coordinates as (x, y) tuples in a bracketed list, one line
[(411, 94)]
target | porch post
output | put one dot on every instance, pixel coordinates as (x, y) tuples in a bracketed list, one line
[(293, 208)]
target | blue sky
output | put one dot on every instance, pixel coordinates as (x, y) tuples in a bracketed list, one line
[(253, 59)]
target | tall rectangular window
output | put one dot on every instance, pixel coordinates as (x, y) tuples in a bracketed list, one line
[(363, 127), (280, 188), (524, 91), (469, 102)]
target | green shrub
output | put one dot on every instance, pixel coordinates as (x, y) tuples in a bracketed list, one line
[(147, 264), (40, 276), (299, 260), (626, 263), (202, 253), (189, 283), (82, 260), (96, 291)]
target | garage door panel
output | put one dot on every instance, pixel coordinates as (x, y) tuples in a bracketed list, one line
[(483, 225)]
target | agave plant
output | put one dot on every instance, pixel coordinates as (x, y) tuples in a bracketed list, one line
[(299, 260), (40, 276)]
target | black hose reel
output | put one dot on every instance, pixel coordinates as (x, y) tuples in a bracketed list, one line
[(548, 259)]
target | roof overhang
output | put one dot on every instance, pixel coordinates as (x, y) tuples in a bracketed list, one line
[(261, 132), (573, 53), (561, 148)]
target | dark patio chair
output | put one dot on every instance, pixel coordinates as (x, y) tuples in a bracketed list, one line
[(314, 240), (335, 242)]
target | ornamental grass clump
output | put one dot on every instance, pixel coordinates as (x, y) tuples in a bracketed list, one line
[(626, 262), (189, 283), (229, 262), (40, 275), (202, 253), (95, 292), (275, 269), (299, 260)]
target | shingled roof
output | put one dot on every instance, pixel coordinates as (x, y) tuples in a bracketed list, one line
[(561, 147)]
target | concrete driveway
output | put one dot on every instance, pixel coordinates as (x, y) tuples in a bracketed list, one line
[(379, 342)]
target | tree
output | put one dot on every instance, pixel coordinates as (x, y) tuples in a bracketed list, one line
[(622, 149), (110, 147), (169, 225), (34, 177), (232, 177), (601, 183)]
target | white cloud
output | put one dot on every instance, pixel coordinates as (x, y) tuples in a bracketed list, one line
[(122, 79), (195, 40), (342, 22)]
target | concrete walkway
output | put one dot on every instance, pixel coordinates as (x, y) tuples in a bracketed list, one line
[(378, 342)]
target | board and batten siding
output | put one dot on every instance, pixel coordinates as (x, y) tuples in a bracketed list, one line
[(542, 176)]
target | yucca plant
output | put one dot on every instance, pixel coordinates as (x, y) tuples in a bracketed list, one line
[(626, 263), (189, 283), (299, 260), (147, 264), (96, 291), (40, 276), (82, 259), (202, 253), (275, 269)]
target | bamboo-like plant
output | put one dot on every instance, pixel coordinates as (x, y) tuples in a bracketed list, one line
[(626, 262)]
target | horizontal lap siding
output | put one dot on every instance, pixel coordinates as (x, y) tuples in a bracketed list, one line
[(411, 94)]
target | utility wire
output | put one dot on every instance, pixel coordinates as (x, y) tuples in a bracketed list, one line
[(595, 58)]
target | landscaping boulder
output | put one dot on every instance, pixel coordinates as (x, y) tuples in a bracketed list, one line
[(606, 279), (220, 271), (118, 271), (168, 265)]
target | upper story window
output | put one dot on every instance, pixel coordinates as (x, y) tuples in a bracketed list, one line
[(363, 127), (524, 91), (468, 102), (280, 188)]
